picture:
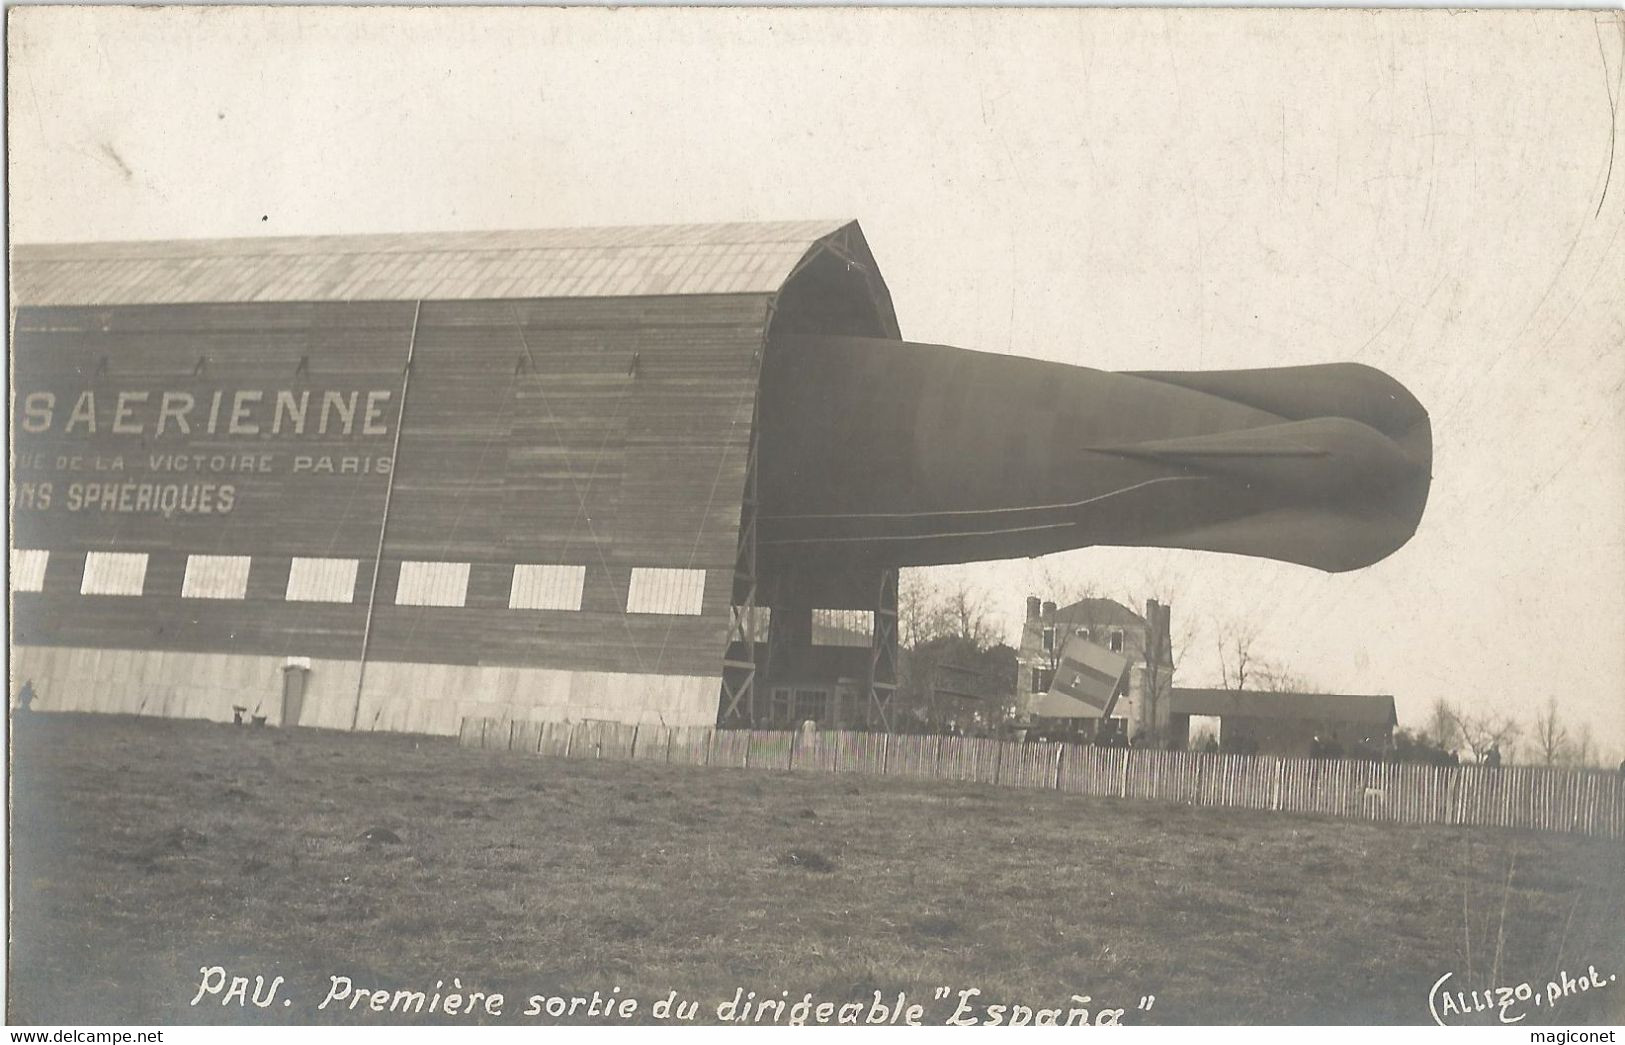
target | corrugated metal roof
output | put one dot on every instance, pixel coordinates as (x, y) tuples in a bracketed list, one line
[(1338, 707), (629, 261)]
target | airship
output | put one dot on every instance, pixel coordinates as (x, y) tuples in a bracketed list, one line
[(905, 454)]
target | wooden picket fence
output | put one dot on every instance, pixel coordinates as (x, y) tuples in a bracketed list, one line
[(1590, 802)]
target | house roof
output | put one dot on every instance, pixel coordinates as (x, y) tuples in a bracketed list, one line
[(1336, 707), (1100, 611), (630, 261)]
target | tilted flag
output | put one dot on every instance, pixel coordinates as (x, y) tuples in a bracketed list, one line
[(1087, 682)]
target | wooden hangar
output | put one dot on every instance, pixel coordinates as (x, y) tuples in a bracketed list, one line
[(504, 474)]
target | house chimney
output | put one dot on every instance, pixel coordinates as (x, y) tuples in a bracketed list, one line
[(1048, 610), (1032, 607), (1157, 622)]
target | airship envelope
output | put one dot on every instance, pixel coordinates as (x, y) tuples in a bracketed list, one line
[(910, 454)]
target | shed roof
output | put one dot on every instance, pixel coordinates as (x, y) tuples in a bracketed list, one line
[(627, 261), (1335, 707)]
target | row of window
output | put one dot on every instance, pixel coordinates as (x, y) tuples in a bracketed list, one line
[(853, 628), (1114, 638), (534, 586), (787, 707)]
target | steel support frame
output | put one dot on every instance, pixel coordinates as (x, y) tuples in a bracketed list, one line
[(739, 662), (883, 652)]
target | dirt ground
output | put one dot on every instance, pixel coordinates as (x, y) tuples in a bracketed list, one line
[(144, 851)]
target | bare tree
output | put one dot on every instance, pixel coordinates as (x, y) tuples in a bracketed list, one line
[(967, 616), (1583, 752), (919, 609), (1273, 678), (945, 628), (1441, 728), (1551, 736), (1167, 588), (1235, 640), (1064, 587), (1485, 731), (928, 609)]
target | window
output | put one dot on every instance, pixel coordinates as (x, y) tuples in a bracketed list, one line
[(1049, 638), (811, 704), (432, 584), (780, 706), (764, 622), (322, 580), (215, 577), (547, 587), (114, 573), (843, 628), (28, 569), (1083, 633), (1116, 641), (1041, 679), (666, 591)]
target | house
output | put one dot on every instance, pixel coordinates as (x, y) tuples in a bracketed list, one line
[(1289, 724), (1141, 708)]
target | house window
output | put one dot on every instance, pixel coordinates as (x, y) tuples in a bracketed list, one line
[(1049, 638), (811, 704), (779, 707), (1042, 677), (1083, 633), (1116, 640)]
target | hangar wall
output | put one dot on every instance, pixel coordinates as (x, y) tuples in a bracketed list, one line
[(561, 441), (411, 698)]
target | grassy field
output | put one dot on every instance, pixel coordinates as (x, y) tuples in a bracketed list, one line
[(145, 849)]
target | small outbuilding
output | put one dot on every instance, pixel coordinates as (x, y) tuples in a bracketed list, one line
[(1290, 724)]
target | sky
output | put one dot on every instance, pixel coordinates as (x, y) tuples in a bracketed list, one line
[(1430, 193)]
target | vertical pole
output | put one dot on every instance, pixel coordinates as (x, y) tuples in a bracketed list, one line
[(383, 524)]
